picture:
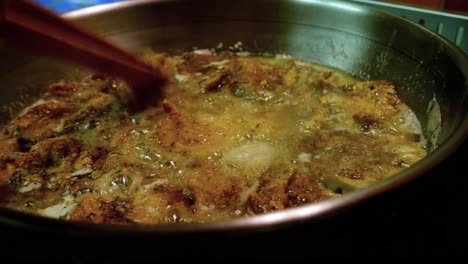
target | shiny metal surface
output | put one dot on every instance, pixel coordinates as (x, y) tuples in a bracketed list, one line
[(431, 75), (449, 24)]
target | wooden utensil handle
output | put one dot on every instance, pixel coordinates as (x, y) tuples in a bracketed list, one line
[(40, 29)]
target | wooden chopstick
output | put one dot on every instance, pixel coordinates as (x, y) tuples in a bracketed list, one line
[(41, 30)]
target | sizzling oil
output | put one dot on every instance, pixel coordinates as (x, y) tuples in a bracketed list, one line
[(234, 136)]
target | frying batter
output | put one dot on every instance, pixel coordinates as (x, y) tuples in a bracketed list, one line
[(236, 135)]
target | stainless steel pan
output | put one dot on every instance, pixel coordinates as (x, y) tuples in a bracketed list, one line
[(430, 73)]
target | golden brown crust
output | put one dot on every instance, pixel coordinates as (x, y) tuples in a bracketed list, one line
[(100, 209), (292, 189), (40, 121), (303, 189)]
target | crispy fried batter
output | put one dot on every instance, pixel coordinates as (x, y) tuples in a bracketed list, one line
[(289, 190), (41, 121), (99, 209)]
